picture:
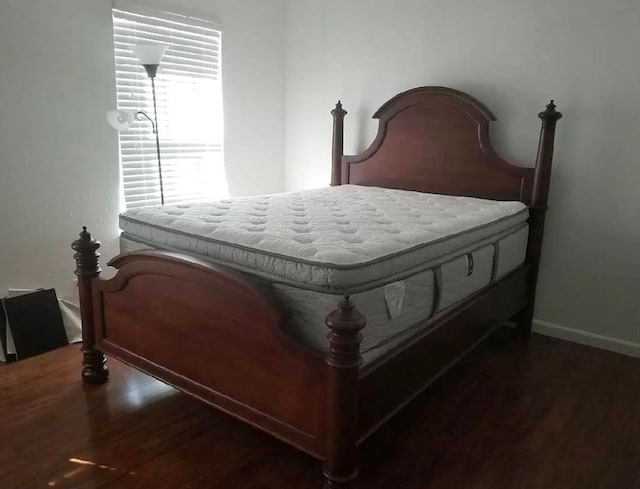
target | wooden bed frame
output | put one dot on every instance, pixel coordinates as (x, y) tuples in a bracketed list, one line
[(212, 333)]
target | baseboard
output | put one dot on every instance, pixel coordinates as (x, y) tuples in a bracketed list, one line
[(585, 338)]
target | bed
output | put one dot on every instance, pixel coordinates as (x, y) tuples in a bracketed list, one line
[(317, 315), (404, 257)]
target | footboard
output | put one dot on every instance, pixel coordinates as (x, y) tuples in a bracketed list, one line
[(214, 334)]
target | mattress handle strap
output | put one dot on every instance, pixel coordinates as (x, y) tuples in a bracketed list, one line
[(469, 264), (496, 261), (437, 292)]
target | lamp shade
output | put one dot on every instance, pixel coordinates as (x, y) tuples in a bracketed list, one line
[(120, 119), (149, 54)]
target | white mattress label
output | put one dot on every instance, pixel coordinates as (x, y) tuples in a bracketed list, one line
[(394, 297)]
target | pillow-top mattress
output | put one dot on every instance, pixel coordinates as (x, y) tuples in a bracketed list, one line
[(341, 239)]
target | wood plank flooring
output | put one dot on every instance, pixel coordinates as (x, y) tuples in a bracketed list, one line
[(515, 414)]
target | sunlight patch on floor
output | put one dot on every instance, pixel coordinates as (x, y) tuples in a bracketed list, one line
[(84, 466)]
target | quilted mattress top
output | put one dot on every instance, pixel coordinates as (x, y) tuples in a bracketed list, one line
[(343, 239)]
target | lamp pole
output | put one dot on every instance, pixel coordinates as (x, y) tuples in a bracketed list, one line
[(155, 116), (149, 56)]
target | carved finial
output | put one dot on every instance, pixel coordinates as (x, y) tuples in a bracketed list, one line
[(345, 324), (550, 114), (86, 254), (346, 318), (338, 111)]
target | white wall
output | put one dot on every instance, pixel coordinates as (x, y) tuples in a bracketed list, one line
[(58, 156), (514, 56)]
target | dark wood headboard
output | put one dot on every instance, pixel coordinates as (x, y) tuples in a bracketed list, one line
[(436, 139)]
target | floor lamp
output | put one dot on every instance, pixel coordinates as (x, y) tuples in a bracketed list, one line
[(149, 56)]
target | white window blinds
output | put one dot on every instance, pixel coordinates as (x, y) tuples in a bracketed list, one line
[(189, 101)]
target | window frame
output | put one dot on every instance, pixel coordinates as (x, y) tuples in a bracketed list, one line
[(192, 155)]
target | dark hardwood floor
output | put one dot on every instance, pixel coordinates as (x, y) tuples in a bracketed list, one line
[(515, 414)]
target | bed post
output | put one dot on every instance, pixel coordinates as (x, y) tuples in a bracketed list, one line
[(344, 360), (538, 208), (94, 364), (337, 148)]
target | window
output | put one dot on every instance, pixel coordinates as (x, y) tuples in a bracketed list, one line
[(189, 101)]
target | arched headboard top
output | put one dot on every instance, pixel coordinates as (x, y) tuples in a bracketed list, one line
[(425, 95), (434, 139)]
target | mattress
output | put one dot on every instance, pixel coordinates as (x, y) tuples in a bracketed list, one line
[(341, 239), (404, 257)]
